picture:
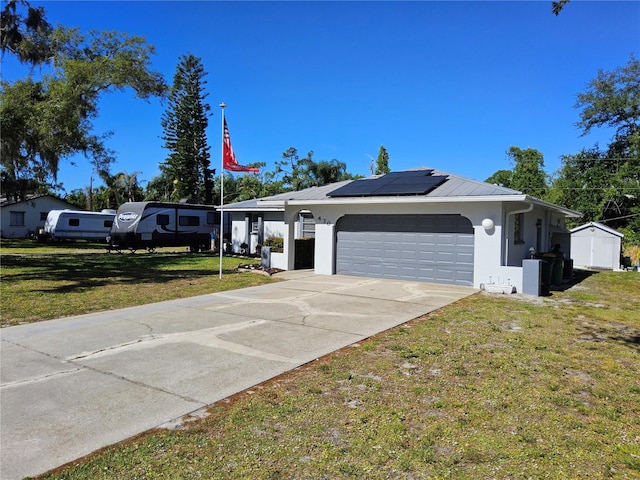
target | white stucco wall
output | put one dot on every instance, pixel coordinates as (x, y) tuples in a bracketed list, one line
[(238, 230), (273, 225), (487, 247), (324, 263), (497, 257)]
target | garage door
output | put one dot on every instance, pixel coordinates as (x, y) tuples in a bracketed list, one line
[(432, 248)]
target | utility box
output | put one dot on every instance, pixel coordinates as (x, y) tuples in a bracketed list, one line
[(532, 277), (265, 257)]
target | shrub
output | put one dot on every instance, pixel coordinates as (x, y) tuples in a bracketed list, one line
[(276, 244)]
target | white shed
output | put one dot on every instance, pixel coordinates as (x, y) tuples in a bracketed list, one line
[(594, 245)]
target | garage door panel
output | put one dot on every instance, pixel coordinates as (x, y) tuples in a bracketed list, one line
[(435, 248)]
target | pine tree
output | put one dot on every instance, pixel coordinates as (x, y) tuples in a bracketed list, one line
[(184, 124), (382, 163)]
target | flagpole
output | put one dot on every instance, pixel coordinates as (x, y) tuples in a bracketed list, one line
[(222, 106)]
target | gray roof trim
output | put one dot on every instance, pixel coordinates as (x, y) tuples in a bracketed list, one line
[(599, 226), (5, 202)]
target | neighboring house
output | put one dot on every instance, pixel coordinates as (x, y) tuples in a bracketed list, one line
[(421, 224), (23, 217), (594, 245)]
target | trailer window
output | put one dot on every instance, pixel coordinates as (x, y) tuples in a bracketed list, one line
[(188, 221), (162, 219), (211, 218), (74, 222), (108, 223)]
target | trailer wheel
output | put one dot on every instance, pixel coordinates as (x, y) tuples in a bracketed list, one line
[(193, 248)]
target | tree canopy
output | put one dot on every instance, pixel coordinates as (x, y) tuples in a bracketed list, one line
[(297, 173), (528, 174), (50, 118), (28, 37), (604, 183), (612, 100)]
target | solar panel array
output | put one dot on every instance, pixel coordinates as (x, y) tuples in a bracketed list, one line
[(417, 182)]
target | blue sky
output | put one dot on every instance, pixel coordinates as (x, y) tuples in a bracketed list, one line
[(448, 85)]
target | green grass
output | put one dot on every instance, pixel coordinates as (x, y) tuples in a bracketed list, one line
[(504, 387), (41, 282)]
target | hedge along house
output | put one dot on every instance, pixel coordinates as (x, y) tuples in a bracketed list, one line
[(423, 225)]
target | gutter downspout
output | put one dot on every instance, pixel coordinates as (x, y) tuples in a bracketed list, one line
[(506, 237)]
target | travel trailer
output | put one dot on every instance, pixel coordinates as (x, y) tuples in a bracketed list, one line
[(79, 225), (157, 224)]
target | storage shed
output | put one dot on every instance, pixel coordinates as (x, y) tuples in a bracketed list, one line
[(594, 245)]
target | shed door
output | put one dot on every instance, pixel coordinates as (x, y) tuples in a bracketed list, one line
[(431, 248)]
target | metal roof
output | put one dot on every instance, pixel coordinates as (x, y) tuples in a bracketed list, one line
[(455, 188), (262, 204), (599, 226)]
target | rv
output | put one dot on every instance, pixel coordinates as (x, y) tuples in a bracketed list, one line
[(79, 225), (157, 224)]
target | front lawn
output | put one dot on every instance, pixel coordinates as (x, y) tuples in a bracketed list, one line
[(42, 282)]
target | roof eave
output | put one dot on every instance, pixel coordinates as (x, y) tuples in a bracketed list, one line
[(567, 212), (404, 199), (427, 199)]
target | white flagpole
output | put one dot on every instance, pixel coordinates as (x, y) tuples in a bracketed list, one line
[(222, 106)]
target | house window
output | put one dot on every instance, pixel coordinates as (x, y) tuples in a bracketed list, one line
[(188, 221), (308, 225), (518, 228), (162, 219), (16, 219)]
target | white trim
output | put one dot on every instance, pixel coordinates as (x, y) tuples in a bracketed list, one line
[(599, 226), (413, 200)]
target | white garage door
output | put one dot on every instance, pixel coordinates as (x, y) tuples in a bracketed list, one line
[(432, 248)]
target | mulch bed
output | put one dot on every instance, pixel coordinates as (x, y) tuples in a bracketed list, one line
[(258, 269)]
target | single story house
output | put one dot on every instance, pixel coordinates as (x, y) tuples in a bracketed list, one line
[(423, 224), (23, 217), (594, 245)]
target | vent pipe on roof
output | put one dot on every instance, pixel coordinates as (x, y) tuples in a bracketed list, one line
[(505, 260)]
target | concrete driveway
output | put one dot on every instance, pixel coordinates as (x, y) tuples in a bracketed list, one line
[(74, 385)]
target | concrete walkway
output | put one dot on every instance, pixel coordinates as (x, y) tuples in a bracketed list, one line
[(71, 386)]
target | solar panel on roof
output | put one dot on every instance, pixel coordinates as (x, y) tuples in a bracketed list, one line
[(404, 187), (417, 182), (357, 188), (408, 174)]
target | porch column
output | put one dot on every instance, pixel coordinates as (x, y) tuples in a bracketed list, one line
[(289, 238), (260, 228), (325, 249), (247, 229)]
